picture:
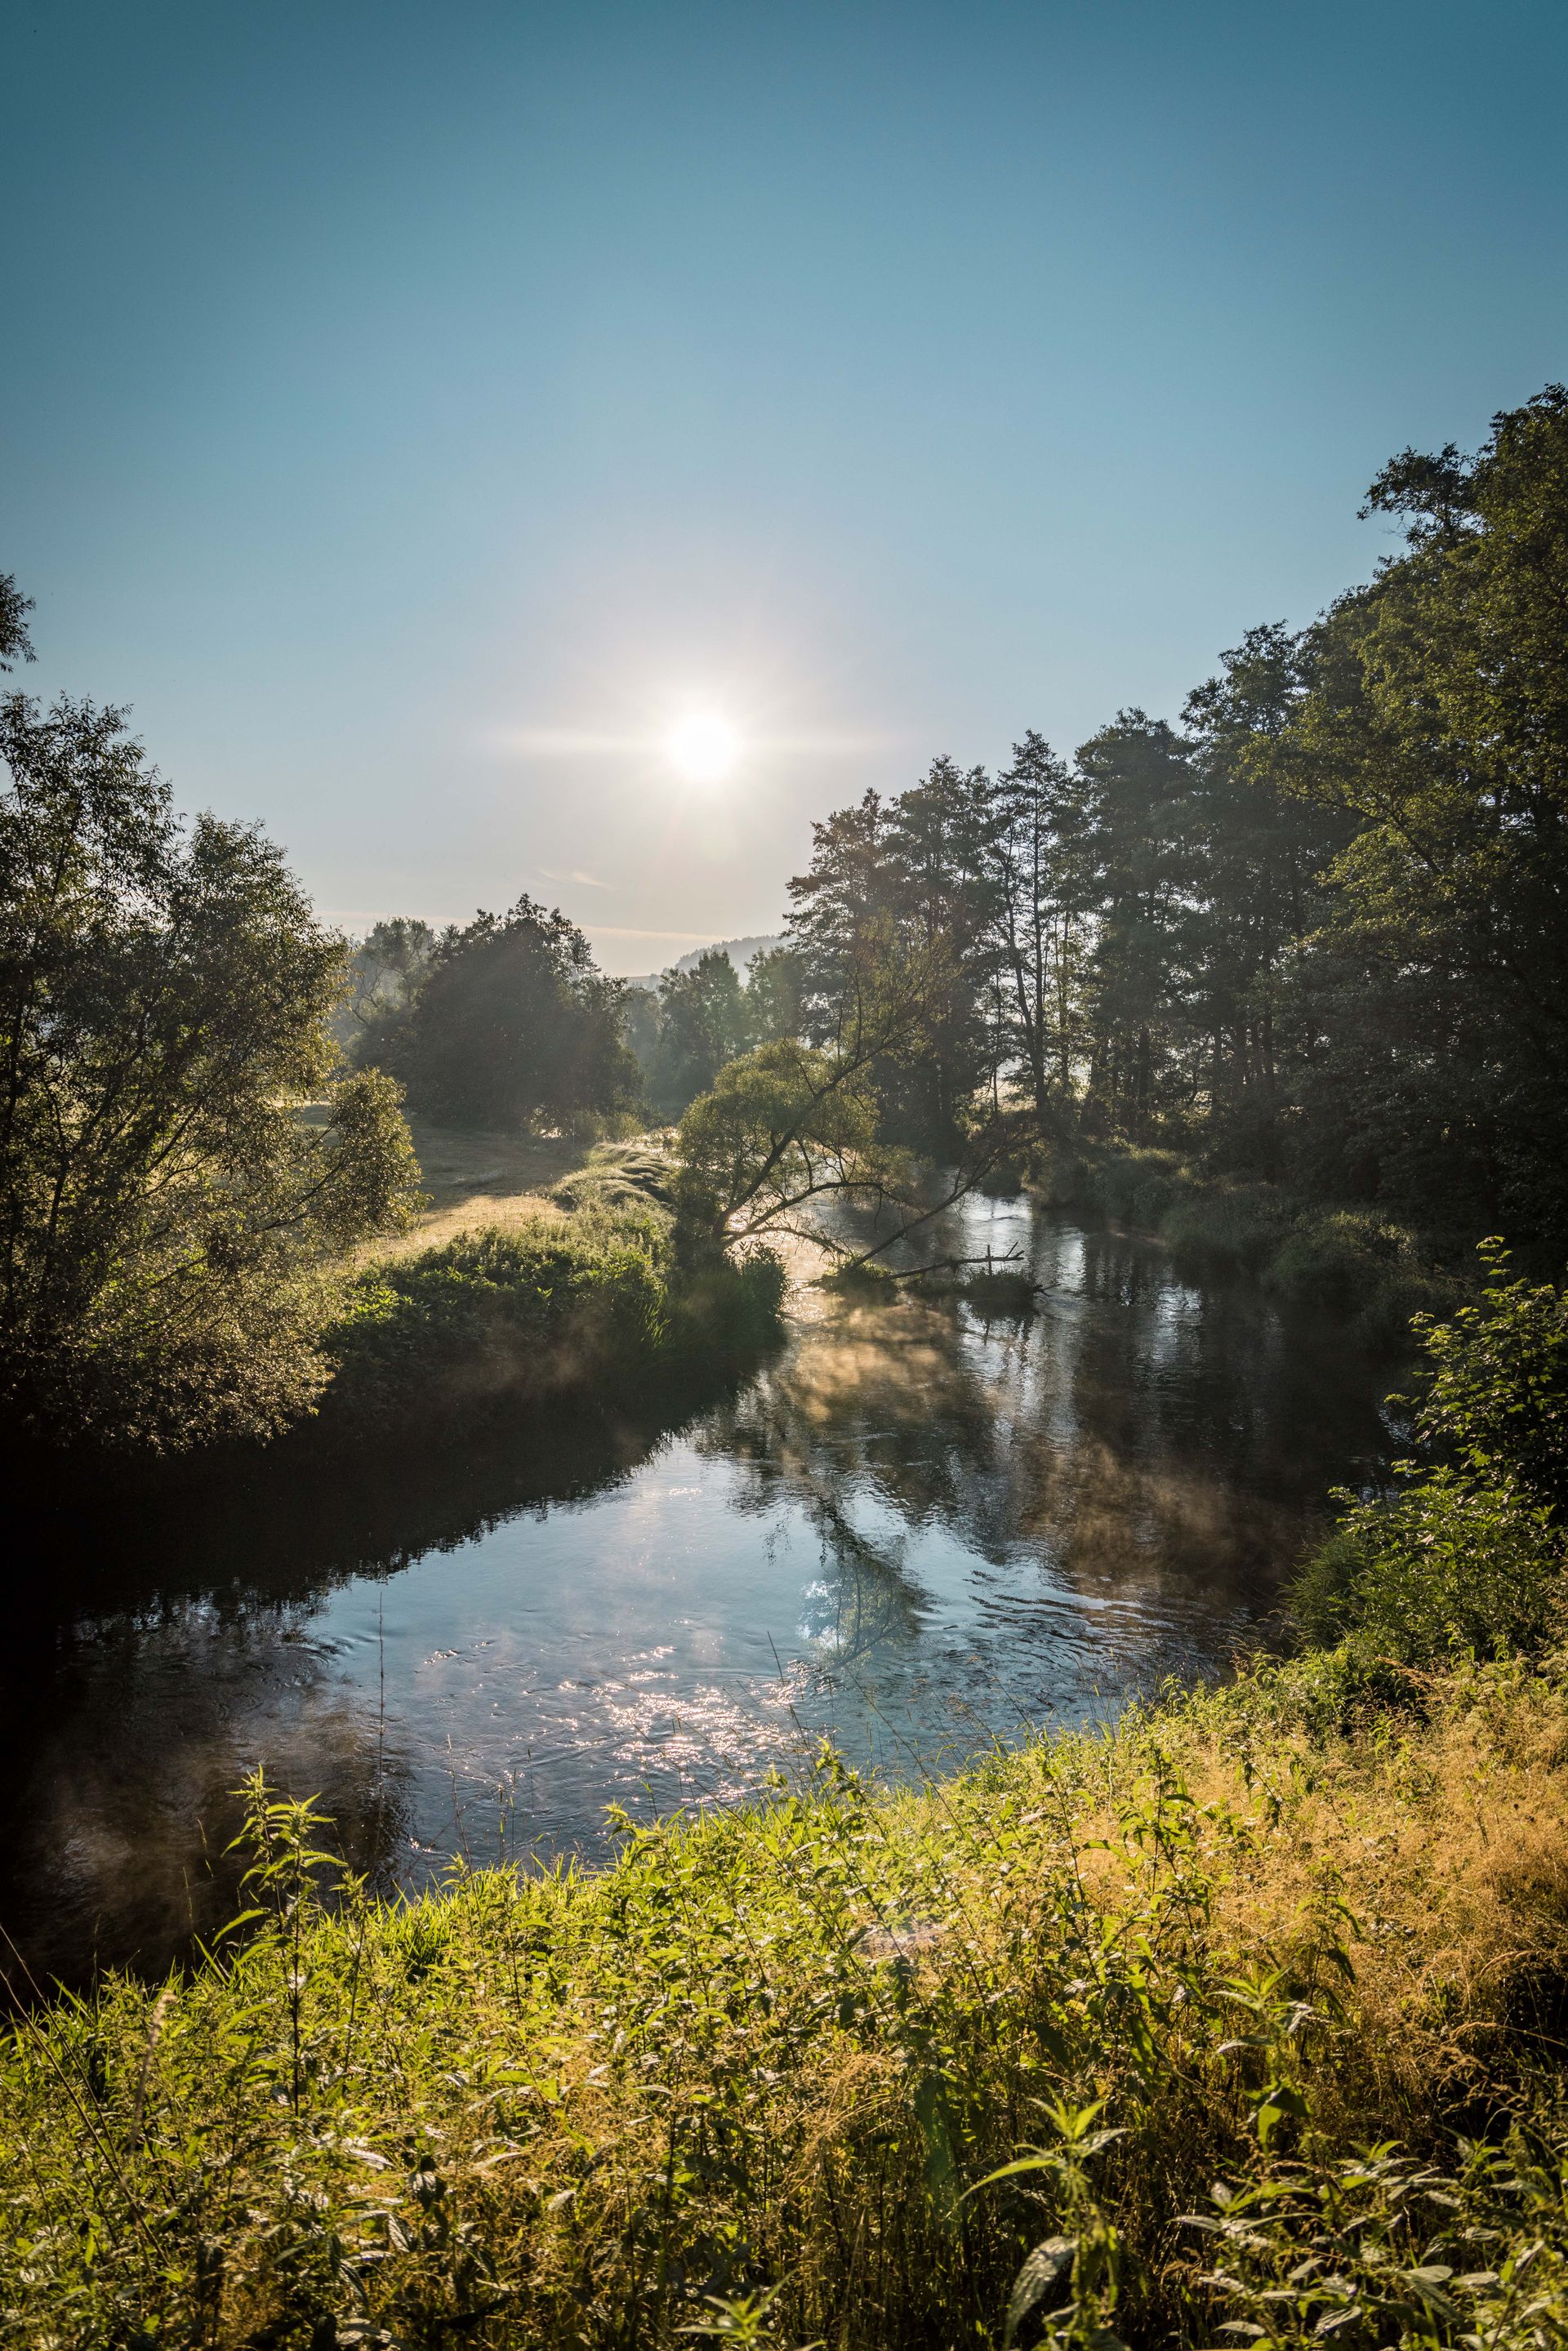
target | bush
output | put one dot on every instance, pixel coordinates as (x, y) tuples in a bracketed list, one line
[(509, 1311), (1497, 1399), (1236, 1225), (1448, 1567), (593, 1301), (1471, 1555), (1348, 1262)]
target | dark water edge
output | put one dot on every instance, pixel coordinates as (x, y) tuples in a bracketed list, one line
[(915, 1529)]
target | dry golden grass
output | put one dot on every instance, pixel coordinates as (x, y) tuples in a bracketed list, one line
[(776, 2046), (476, 1181)]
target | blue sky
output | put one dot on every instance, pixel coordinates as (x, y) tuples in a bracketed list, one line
[(411, 411)]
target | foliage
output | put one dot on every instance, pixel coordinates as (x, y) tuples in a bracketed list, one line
[(702, 1016), (1436, 719), (1447, 1566), (1496, 1397), (384, 969), (500, 1311), (168, 1216), (1357, 1263), (1314, 936), (701, 1025), (792, 1128), (1471, 1556), (896, 902), (965, 2063), (510, 1027), (592, 1301), (780, 1126), (16, 644)]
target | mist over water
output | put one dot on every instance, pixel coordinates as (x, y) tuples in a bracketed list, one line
[(913, 1529)]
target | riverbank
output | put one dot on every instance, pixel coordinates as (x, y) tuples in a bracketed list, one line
[(1243, 2014), (1176, 1976), (580, 1292), (1353, 1262)]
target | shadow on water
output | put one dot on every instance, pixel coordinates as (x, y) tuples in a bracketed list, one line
[(158, 1650), (914, 1529)]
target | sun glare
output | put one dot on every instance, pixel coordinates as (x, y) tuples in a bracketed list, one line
[(703, 746)]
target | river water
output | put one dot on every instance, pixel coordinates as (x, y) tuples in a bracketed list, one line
[(914, 1529)]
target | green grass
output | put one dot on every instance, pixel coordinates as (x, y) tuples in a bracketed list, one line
[(592, 1300), (1253, 1997)]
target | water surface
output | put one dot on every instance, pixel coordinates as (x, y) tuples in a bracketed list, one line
[(914, 1529)]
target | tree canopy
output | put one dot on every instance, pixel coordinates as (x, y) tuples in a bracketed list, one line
[(509, 1024), (1314, 932), (166, 1212)]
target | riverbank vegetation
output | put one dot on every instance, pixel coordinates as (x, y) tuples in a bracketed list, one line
[(169, 1223), (1358, 1264), (588, 1293), (1305, 948), (1237, 2020)]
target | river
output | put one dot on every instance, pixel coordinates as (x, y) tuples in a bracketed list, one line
[(914, 1529)]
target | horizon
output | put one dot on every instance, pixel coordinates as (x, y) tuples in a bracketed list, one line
[(561, 452)]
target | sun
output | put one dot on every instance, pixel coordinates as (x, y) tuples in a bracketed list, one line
[(703, 747)]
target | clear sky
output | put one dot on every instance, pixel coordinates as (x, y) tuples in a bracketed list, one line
[(415, 411)]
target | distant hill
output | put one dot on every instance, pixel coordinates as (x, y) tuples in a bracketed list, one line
[(741, 952)]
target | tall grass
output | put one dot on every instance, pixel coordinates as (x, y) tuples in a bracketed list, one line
[(594, 1299), (1241, 2013)]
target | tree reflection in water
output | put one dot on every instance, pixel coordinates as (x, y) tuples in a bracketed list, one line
[(914, 1529)]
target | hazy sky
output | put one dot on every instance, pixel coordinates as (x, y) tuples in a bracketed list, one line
[(413, 411)]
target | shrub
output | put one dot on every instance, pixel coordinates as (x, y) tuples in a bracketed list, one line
[(1496, 1397), (509, 1310), (1448, 1567)]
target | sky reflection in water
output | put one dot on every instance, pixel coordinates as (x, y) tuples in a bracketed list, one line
[(914, 1530)]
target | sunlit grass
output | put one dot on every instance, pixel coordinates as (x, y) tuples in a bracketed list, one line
[(764, 2061)]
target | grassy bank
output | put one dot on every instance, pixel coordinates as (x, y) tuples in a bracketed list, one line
[(1240, 2019), (1353, 1262), (580, 1291), (1261, 1992)]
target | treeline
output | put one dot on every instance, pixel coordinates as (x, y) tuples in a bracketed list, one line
[(1316, 933), (507, 1022), (1312, 935)]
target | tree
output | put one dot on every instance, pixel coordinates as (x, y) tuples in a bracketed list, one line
[(1257, 863), (702, 1025), (512, 1026), (1436, 723), (16, 644), (902, 887), (1041, 901), (384, 968), (1136, 781), (774, 997), (168, 1218), (791, 1127)]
